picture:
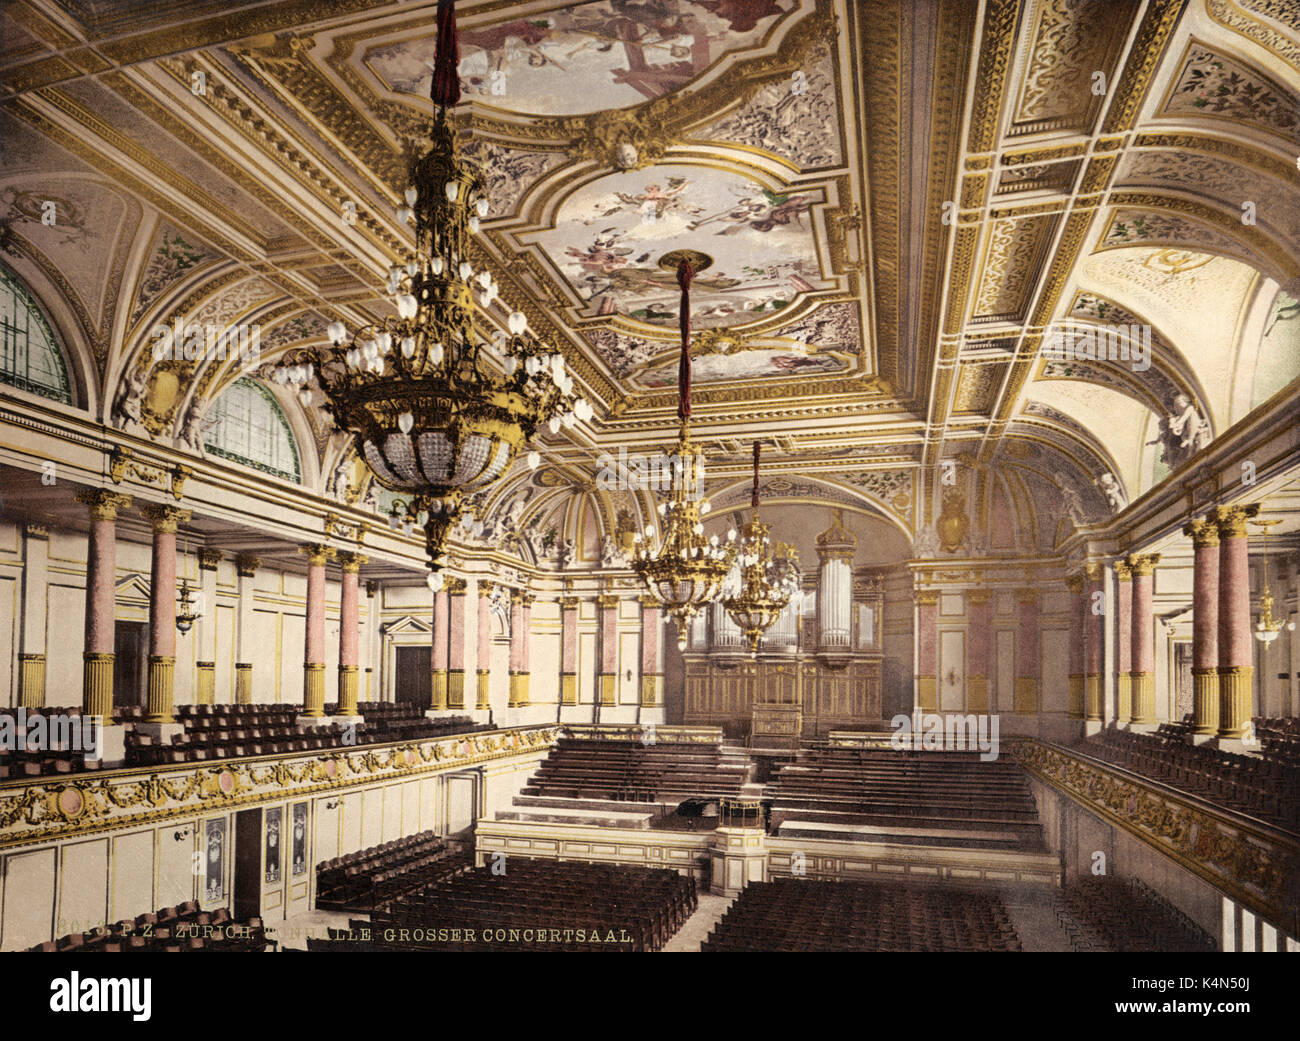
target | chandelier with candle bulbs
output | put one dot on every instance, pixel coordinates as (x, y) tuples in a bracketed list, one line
[(684, 569), (1266, 626), (766, 578), (419, 392)]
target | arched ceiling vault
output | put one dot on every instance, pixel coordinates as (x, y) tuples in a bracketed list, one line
[(901, 199)]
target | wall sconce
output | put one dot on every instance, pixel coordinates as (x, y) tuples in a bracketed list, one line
[(181, 835), (333, 804)]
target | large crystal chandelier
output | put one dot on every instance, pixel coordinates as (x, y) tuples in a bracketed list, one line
[(766, 577), (427, 412), (1266, 626), (685, 569)]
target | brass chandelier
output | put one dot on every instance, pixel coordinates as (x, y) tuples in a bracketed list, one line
[(429, 416), (1266, 626), (768, 576), (685, 569)]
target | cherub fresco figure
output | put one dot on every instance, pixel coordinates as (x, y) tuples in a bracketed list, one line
[(1114, 493)]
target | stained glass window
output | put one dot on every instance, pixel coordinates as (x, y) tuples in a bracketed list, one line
[(246, 426), (30, 358)]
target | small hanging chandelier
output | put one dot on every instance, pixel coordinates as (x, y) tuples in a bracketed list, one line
[(767, 579), (189, 606), (685, 569), (1267, 627), (430, 418)]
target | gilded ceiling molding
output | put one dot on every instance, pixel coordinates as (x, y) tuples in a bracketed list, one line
[(1285, 266), (992, 79), (1071, 40), (1143, 60), (1234, 16)]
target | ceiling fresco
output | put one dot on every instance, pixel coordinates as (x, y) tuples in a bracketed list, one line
[(899, 199), (597, 56)]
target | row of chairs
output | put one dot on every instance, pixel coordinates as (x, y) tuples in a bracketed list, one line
[(375, 876), (1110, 913), (184, 927), (803, 915), (539, 906), (631, 771), (1255, 785)]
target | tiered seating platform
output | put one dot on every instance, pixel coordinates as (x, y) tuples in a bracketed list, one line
[(925, 798), (375, 876)]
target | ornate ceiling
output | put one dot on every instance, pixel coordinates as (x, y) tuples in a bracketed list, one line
[(901, 199)]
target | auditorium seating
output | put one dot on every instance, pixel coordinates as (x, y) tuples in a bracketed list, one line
[(945, 798), (630, 771), (372, 877), (1109, 913), (185, 927), (812, 916), (1266, 786), (629, 908), (57, 756)]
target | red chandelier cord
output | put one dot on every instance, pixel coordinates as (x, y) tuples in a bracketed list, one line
[(753, 500), (684, 275), (445, 90)]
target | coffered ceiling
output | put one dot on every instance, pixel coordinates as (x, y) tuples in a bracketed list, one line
[(900, 200)]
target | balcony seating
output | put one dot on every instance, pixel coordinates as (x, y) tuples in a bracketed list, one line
[(1265, 786), (802, 915)]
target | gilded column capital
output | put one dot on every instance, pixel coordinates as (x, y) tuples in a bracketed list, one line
[(1231, 520), (1143, 563), (166, 520), (103, 503), (926, 597), (1123, 571), (1029, 597), (1074, 583), (646, 600), (979, 596), (1203, 532), (568, 603), (455, 586), (607, 600), (351, 561), (518, 596), (316, 553), (36, 531), (485, 588), (209, 558), (246, 565), (1093, 570)]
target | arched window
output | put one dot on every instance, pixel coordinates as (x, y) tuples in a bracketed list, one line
[(30, 358), (247, 426)]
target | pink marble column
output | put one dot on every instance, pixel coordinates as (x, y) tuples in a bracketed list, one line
[(101, 596), (569, 650), (456, 643), (313, 680), (1094, 652), (1028, 666), (927, 650), (349, 622), (607, 604), (441, 641), (652, 653), (1205, 626), (484, 646), (1236, 673), (1123, 629), (979, 636), (162, 612), (1144, 638), (1078, 607), (521, 620)]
